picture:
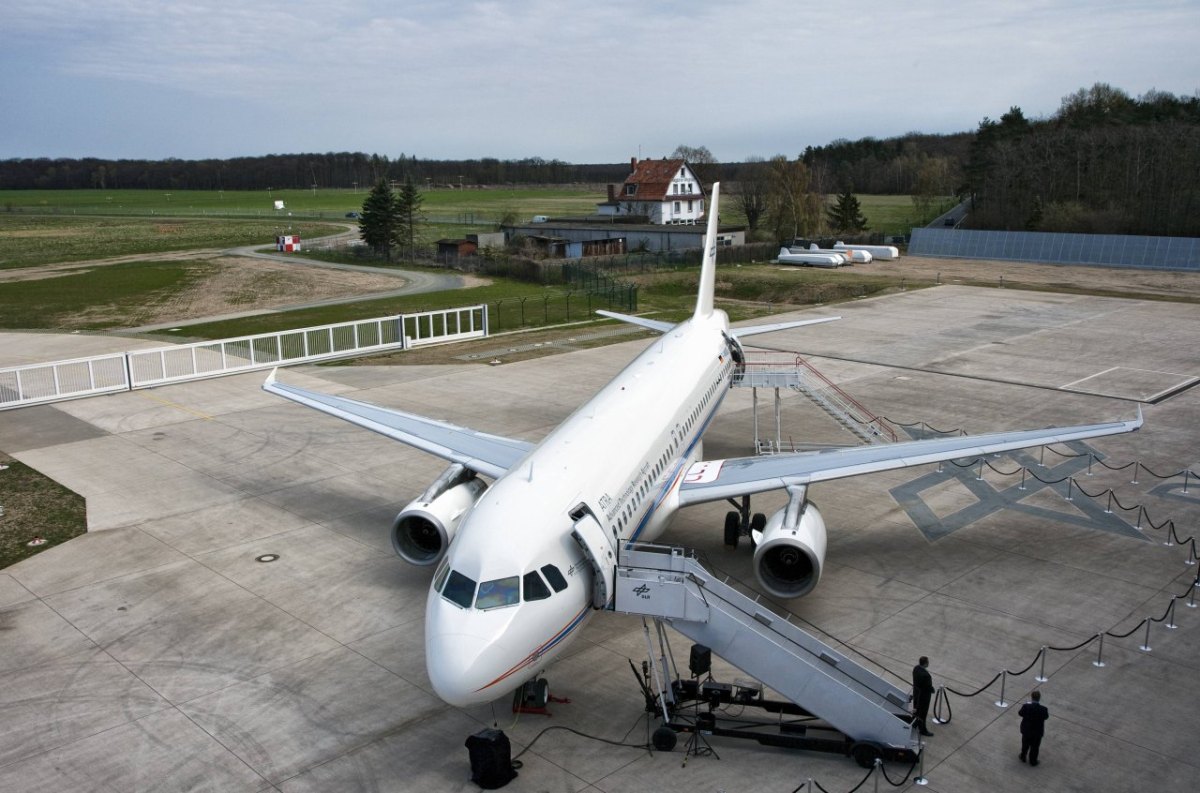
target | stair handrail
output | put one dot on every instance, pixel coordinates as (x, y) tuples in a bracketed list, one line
[(865, 416)]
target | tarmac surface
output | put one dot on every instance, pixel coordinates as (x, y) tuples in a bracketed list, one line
[(161, 651)]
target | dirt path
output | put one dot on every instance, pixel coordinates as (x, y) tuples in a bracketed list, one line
[(243, 281)]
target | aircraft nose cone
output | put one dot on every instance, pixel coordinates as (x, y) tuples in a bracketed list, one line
[(460, 668)]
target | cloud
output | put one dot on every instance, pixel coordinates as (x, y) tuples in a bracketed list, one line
[(577, 81)]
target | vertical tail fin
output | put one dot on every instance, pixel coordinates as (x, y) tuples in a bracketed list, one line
[(708, 266)]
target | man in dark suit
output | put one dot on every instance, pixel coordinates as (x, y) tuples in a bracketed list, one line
[(1033, 726), (922, 694)]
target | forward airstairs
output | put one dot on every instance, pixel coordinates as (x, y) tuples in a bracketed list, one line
[(787, 370), (670, 585)]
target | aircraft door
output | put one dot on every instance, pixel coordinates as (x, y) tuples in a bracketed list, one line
[(601, 555)]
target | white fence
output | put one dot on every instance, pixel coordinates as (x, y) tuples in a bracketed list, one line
[(49, 382)]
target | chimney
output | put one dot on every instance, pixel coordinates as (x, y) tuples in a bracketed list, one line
[(612, 192), (633, 163)]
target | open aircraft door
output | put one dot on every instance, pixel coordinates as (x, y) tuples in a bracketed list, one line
[(600, 552)]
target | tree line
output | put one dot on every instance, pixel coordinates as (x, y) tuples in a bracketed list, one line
[(294, 172), (1104, 163)]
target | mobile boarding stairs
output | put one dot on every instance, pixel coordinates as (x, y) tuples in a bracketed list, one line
[(834, 704)]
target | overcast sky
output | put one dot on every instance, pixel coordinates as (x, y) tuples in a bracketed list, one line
[(595, 81)]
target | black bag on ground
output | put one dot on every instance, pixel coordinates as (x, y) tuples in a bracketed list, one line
[(491, 759)]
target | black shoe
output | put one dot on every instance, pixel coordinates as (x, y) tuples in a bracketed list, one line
[(1021, 757), (926, 733), (1033, 762)]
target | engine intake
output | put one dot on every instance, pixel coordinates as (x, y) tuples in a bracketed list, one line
[(423, 530), (790, 553)]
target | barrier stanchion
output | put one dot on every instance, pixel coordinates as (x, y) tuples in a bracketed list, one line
[(921, 780), (1145, 646), (1003, 682), (1171, 616), (1041, 675), (1100, 652)]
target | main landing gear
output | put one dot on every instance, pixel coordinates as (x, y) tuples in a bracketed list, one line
[(741, 523)]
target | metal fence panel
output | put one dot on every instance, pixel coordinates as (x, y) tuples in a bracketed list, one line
[(1098, 250), (38, 383)]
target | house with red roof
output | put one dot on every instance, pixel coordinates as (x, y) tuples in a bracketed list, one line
[(665, 192)]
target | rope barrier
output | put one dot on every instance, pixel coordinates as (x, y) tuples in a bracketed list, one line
[(941, 708)]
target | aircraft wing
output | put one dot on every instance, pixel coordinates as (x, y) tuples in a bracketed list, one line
[(754, 330), (714, 480), (490, 455)]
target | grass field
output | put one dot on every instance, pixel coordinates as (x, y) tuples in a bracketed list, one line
[(482, 205), (514, 304), (35, 506), (475, 208), (128, 291), (32, 240)]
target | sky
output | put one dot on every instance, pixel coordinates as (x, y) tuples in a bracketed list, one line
[(584, 82)]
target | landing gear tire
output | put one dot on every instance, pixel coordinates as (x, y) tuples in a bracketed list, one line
[(758, 522), (664, 739), (865, 753), (733, 528)]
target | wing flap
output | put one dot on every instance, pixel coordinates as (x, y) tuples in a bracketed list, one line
[(715, 480), (490, 455)]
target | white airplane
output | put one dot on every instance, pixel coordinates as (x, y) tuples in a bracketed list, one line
[(523, 563)]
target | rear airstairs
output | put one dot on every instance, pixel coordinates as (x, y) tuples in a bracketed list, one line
[(787, 370), (670, 585)]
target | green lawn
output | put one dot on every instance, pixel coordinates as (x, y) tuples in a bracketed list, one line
[(35, 507), (90, 299), (474, 209), (31, 240), (471, 205)]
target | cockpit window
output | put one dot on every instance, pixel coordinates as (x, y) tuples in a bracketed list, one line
[(535, 587), (439, 577), (554, 577), (497, 593), (459, 590)]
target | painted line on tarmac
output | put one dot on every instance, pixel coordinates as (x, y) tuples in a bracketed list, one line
[(176, 405)]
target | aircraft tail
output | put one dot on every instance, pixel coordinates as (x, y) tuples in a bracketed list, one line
[(708, 266)]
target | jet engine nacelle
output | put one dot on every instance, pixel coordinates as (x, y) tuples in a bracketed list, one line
[(422, 531), (789, 558)]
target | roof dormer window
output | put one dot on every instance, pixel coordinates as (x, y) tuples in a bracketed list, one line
[(630, 189)]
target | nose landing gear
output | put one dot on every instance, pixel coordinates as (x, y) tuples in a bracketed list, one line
[(534, 696)]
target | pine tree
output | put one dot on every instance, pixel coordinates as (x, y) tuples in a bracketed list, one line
[(846, 215), (379, 220), (408, 214)]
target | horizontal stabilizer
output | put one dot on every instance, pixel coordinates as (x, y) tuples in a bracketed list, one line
[(650, 324)]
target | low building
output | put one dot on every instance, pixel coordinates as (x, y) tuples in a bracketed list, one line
[(594, 237), (450, 251)]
